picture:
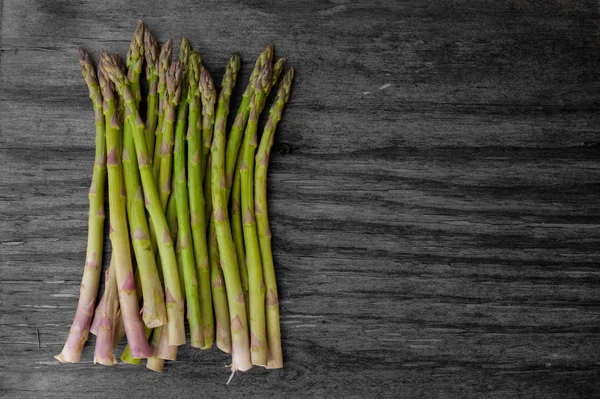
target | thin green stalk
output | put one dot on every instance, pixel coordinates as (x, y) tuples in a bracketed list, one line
[(154, 311), (135, 61), (237, 308), (219, 294), (234, 140), (174, 299), (163, 65), (208, 97), (190, 278), (258, 334), (196, 200), (275, 359), (238, 231), (90, 281), (119, 234), (151, 53)]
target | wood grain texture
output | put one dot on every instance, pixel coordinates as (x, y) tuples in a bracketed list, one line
[(434, 195)]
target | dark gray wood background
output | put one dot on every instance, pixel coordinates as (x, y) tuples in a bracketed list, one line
[(434, 195)]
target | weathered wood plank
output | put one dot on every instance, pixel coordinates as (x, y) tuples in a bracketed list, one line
[(434, 195)]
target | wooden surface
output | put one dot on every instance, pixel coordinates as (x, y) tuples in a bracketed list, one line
[(434, 196)]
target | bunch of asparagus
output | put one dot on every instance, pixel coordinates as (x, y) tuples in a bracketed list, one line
[(190, 200)]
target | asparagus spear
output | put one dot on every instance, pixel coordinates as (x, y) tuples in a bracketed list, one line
[(151, 54), (165, 244), (258, 338), (237, 309), (196, 199), (275, 359), (106, 314), (126, 355), (217, 283), (185, 232), (237, 230), (235, 135), (135, 61), (155, 363), (208, 96), (119, 234), (166, 148), (154, 312), (90, 281), (236, 216), (163, 65)]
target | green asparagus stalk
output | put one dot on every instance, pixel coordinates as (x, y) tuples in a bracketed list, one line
[(135, 61), (208, 96), (106, 313), (196, 199), (163, 65), (190, 278), (207, 190), (237, 130), (219, 295), (258, 335), (173, 294), (159, 334), (237, 309), (166, 148), (275, 359), (119, 234), (151, 54), (90, 281), (236, 194), (238, 232), (126, 355), (154, 311)]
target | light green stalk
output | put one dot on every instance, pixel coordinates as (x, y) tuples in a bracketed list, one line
[(135, 61), (163, 65), (174, 300), (166, 148), (236, 193), (208, 96), (275, 359), (258, 335), (238, 231), (196, 200), (151, 54), (154, 311), (78, 334), (237, 130), (185, 231), (237, 308), (219, 294), (119, 234)]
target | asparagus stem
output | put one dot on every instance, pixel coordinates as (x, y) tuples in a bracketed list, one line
[(90, 281), (126, 356), (258, 335), (119, 329), (185, 232), (154, 363), (166, 148), (196, 199), (235, 135), (174, 299), (162, 67), (207, 191), (154, 311), (106, 313), (135, 61), (159, 334), (208, 96), (237, 230), (151, 54), (217, 283), (237, 309), (119, 234), (275, 359)]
